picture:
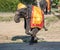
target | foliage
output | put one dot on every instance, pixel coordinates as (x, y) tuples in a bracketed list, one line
[(8, 5), (56, 1), (28, 1), (11, 5)]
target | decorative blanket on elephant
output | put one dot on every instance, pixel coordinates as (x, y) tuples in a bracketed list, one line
[(37, 17)]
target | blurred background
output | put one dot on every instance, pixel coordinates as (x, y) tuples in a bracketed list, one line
[(11, 5)]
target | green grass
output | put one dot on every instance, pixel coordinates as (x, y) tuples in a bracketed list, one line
[(6, 19), (57, 11), (8, 5), (50, 20)]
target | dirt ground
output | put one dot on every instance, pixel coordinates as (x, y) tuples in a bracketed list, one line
[(8, 30)]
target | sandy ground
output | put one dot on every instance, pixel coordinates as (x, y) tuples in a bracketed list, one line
[(8, 30)]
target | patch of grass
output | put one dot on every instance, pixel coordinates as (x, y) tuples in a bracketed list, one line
[(6, 19), (50, 20), (57, 11)]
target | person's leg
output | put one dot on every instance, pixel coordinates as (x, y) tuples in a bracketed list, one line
[(49, 12), (49, 7)]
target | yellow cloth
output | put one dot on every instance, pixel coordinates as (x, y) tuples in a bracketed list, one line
[(20, 5), (37, 17)]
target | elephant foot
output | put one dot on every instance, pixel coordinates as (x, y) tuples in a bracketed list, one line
[(46, 29), (33, 40)]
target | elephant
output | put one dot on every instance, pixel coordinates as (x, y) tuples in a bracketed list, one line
[(26, 14)]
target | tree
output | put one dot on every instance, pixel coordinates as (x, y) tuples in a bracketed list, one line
[(56, 2)]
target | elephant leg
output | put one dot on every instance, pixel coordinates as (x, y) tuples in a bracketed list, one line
[(34, 39), (31, 32), (27, 30), (46, 10)]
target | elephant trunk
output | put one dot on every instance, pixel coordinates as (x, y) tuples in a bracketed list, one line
[(17, 17)]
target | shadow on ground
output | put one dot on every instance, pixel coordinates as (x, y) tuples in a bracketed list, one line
[(24, 38)]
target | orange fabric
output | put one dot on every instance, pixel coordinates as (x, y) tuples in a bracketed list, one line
[(37, 17), (48, 6)]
